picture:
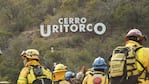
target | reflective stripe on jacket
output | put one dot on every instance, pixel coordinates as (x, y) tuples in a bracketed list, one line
[(142, 56)]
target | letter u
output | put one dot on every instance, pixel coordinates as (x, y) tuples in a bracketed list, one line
[(42, 31)]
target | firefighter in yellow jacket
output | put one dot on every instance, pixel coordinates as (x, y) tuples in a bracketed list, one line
[(97, 74), (28, 75), (135, 38), (59, 74)]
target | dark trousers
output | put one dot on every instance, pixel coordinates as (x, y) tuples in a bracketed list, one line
[(121, 80)]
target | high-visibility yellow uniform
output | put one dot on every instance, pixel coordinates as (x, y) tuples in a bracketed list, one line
[(64, 82), (22, 77), (90, 77), (26, 75), (59, 75), (143, 56)]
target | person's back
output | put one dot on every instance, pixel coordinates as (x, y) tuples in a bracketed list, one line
[(96, 77), (39, 74), (134, 40), (143, 56), (64, 82), (33, 72), (97, 74), (59, 74)]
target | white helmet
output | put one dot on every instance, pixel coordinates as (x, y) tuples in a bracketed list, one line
[(134, 32), (136, 35)]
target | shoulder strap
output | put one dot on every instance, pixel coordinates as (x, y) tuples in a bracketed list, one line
[(138, 49), (144, 69)]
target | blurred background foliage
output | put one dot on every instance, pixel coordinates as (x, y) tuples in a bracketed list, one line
[(19, 30)]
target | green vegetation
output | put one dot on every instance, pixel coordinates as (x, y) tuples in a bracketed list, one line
[(19, 30)]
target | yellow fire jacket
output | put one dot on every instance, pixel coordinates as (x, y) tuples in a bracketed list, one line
[(64, 82), (59, 75), (143, 56), (26, 75), (90, 77)]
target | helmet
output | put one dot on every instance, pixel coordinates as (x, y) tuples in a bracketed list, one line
[(136, 35), (135, 32), (99, 63), (69, 75), (60, 67), (30, 54)]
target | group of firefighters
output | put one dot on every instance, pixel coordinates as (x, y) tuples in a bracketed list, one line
[(97, 74)]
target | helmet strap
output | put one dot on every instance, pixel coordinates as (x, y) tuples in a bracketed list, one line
[(140, 40)]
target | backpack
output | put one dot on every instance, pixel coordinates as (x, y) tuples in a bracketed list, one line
[(123, 62), (37, 75)]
